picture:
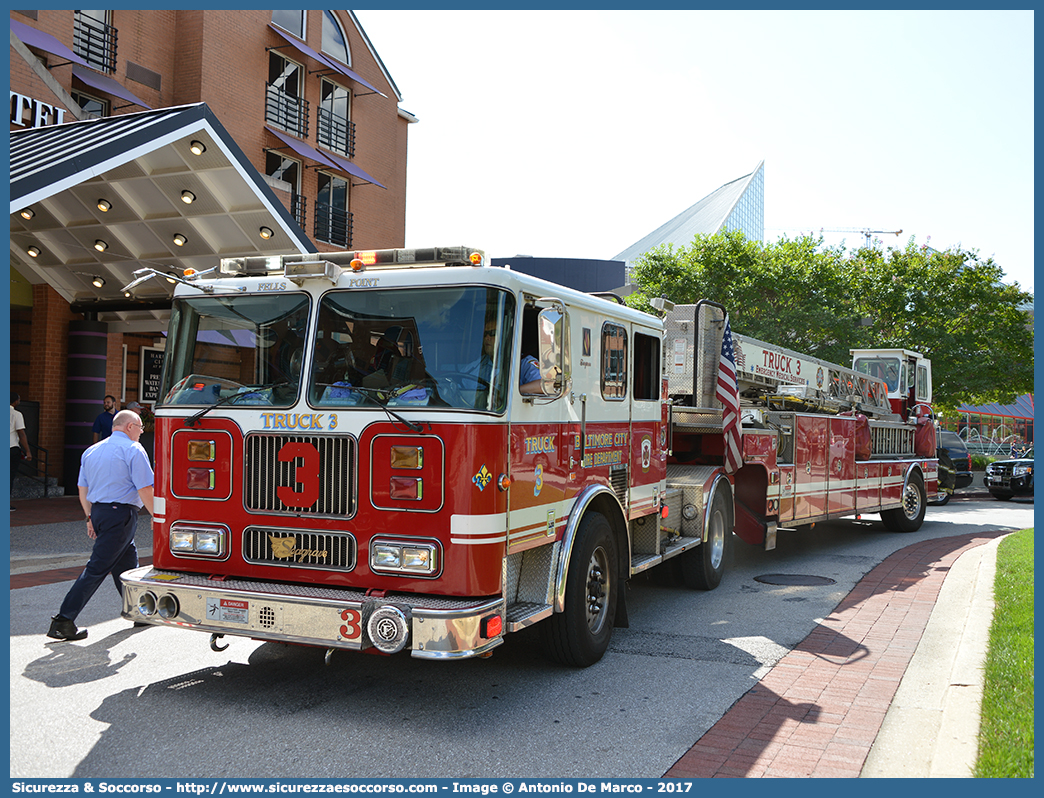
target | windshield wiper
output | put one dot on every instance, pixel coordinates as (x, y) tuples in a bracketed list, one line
[(377, 394), (194, 419)]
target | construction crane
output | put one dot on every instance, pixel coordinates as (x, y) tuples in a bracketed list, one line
[(867, 233)]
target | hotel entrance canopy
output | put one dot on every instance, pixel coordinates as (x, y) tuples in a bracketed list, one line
[(93, 201)]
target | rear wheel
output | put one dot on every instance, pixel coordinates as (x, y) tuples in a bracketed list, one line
[(703, 566), (579, 635), (909, 517)]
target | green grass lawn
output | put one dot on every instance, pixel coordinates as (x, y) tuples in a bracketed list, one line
[(1006, 733)]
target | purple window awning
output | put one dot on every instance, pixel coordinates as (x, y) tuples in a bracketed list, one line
[(303, 48), (31, 37), (335, 162), (106, 84)]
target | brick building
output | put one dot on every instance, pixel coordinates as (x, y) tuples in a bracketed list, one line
[(169, 139)]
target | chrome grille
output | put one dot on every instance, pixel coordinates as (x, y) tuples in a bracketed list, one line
[(296, 548), (265, 474)]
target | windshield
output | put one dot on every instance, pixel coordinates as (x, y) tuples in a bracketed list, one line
[(884, 368), (235, 350), (437, 347)]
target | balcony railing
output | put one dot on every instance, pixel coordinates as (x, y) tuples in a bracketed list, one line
[(299, 209), (333, 225), (286, 111), (335, 133), (94, 42)]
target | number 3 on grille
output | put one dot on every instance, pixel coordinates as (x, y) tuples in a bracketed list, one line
[(305, 458)]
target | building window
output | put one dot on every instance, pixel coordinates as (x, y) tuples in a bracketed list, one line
[(333, 223), (292, 20), (336, 130), (334, 42), (284, 104), (285, 174), (94, 39), (94, 107), (614, 361)]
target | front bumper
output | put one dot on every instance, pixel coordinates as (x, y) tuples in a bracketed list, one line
[(432, 627), (1021, 485)]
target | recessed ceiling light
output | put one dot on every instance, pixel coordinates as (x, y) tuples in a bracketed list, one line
[(171, 277), (104, 205), (180, 240), (34, 252), (98, 282), (27, 213), (188, 197), (100, 245), (197, 147), (266, 232)]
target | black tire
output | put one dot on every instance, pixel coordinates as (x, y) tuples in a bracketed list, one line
[(941, 502), (703, 566), (1004, 497), (580, 635), (910, 516)]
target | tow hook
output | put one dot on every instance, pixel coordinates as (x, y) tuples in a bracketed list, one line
[(214, 642)]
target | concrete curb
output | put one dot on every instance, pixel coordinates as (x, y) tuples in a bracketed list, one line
[(932, 727)]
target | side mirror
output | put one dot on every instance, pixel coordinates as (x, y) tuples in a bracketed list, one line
[(551, 338)]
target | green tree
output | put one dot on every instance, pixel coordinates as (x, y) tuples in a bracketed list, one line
[(951, 306), (790, 293)]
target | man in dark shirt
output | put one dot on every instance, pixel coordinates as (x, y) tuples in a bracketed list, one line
[(103, 423)]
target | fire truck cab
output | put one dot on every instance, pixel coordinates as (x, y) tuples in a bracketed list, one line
[(400, 449), (907, 374)]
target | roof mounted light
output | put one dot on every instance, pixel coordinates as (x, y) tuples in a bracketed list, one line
[(299, 271), (475, 258)]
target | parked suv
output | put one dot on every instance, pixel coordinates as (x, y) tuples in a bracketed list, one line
[(1007, 478), (953, 457)]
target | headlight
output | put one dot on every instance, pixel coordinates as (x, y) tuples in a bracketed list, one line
[(1022, 470), (408, 558), (199, 541)]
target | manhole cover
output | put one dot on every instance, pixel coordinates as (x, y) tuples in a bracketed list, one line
[(793, 579)]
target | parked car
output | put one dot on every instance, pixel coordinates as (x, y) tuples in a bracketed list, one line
[(1008, 478), (955, 459)]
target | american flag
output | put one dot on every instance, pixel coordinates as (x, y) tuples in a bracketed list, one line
[(728, 395)]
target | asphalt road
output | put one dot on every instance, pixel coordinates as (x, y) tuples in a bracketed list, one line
[(140, 702)]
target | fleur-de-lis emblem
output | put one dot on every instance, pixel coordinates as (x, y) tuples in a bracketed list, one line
[(482, 478)]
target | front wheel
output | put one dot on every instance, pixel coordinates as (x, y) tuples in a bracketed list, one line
[(703, 566), (909, 517), (579, 635)]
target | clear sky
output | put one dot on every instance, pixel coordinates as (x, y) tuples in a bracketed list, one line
[(576, 133)]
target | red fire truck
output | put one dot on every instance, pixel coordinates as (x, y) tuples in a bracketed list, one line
[(411, 449)]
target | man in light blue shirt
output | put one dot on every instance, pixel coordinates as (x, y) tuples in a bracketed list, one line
[(529, 370), (115, 482)]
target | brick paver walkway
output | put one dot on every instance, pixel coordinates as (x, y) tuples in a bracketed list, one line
[(818, 711)]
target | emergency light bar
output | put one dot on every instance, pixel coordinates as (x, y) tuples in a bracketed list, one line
[(433, 256), (329, 265)]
